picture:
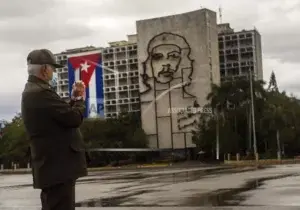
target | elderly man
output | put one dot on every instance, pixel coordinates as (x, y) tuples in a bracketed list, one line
[(57, 149)]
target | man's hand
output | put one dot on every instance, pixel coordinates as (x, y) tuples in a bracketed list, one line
[(78, 90)]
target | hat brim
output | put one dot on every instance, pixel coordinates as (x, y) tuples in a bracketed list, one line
[(56, 65)]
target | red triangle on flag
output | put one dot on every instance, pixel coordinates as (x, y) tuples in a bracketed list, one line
[(86, 64)]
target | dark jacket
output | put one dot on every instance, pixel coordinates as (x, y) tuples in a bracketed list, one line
[(56, 144)]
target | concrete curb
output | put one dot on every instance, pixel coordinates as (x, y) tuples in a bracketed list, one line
[(177, 208), (261, 162), (27, 171), (226, 165)]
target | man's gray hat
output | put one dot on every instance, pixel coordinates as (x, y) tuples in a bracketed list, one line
[(42, 57)]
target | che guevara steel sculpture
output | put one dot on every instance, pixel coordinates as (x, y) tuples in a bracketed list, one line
[(168, 60)]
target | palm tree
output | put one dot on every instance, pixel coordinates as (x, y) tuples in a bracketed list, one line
[(279, 108), (231, 101), (217, 101)]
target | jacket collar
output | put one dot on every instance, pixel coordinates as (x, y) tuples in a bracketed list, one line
[(39, 82), (34, 79)]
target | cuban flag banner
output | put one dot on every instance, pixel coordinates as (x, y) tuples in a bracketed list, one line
[(88, 68)]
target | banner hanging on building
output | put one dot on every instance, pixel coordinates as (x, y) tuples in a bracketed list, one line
[(88, 68)]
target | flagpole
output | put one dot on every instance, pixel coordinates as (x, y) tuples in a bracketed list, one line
[(218, 136)]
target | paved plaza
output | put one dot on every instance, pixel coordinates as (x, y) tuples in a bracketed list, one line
[(169, 188)]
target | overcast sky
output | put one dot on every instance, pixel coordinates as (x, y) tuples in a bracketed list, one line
[(64, 24)]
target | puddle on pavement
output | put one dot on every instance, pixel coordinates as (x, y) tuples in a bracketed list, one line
[(176, 177), (170, 178), (111, 201), (136, 176), (230, 197), (221, 197), (16, 186), (190, 176), (179, 177)]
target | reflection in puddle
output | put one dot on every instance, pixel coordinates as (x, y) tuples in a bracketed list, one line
[(190, 176), (16, 186), (230, 197), (187, 176), (112, 201), (123, 177), (221, 197)]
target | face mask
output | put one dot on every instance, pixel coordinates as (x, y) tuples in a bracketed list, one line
[(53, 82)]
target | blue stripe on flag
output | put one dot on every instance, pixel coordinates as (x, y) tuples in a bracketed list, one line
[(71, 74), (99, 89), (87, 104)]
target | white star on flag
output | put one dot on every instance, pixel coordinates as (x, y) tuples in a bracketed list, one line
[(84, 66)]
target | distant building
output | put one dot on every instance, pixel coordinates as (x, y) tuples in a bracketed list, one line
[(210, 56), (121, 77), (239, 52)]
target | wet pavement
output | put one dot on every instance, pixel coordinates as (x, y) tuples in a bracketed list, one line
[(185, 188)]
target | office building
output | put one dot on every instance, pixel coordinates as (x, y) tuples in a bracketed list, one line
[(121, 77), (168, 66), (239, 52)]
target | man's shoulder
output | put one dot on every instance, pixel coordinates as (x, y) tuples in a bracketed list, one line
[(36, 92), (35, 88)]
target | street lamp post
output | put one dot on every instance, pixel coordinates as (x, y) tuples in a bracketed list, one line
[(278, 145), (253, 116), (217, 136)]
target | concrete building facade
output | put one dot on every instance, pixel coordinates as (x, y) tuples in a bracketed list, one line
[(240, 52), (165, 72), (121, 77), (178, 61)]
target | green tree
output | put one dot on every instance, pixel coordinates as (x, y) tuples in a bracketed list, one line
[(139, 139), (273, 83), (120, 132), (231, 120), (14, 143), (232, 109)]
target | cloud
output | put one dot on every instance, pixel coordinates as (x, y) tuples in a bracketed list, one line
[(131, 8), (11, 9), (280, 34), (287, 74), (40, 29)]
